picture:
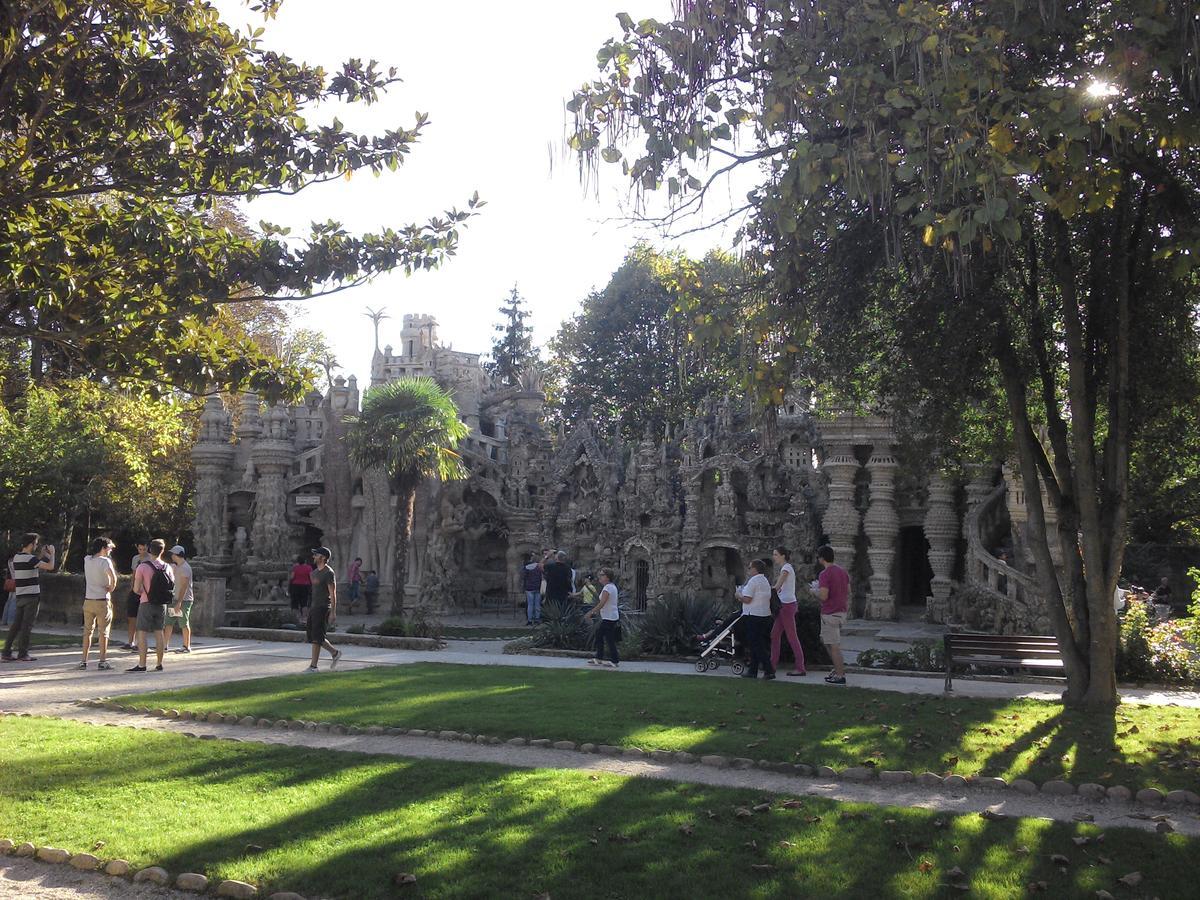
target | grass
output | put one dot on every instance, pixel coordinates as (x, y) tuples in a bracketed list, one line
[(1139, 746), (40, 639), (338, 825)]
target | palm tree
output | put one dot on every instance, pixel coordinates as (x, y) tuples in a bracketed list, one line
[(410, 428)]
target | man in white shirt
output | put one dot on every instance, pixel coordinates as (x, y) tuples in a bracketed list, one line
[(607, 608), (181, 614), (100, 579)]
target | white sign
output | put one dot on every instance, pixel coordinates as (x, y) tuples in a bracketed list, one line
[(308, 499)]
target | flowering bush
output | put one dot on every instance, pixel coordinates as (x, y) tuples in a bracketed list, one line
[(1163, 651)]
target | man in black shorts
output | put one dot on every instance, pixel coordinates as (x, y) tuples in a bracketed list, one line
[(134, 601), (323, 611)]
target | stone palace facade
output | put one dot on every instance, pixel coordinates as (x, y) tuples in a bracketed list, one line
[(682, 511)]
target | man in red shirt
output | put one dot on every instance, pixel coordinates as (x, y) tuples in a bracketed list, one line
[(833, 587)]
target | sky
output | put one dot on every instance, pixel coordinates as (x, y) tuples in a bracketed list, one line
[(494, 78)]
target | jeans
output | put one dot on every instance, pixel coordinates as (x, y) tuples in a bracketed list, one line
[(785, 623), (22, 626), (10, 610), (607, 632), (533, 606), (758, 632)]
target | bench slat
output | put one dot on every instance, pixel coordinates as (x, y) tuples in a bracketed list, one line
[(1016, 662)]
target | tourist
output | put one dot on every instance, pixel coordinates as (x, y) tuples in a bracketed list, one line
[(181, 615), (756, 606), (300, 588), (100, 580), (27, 565), (133, 602), (154, 584), (371, 591), (531, 584), (355, 577), (608, 608), (323, 611), (588, 592), (833, 590), (558, 579), (785, 619)]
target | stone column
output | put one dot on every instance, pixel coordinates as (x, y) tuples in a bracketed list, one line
[(272, 456), (941, 530), (841, 519), (882, 526), (212, 456), (208, 614)]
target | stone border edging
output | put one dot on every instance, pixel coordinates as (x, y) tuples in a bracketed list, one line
[(287, 636), (859, 774), (192, 882)]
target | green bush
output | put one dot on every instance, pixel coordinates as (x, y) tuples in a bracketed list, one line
[(669, 625), (356, 629), (563, 627), (393, 626), (923, 656), (422, 623), (1165, 652)]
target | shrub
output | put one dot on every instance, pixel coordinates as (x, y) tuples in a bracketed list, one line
[(923, 656), (422, 623), (669, 625), (563, 627), (356, 629), (393, 626), (264, 618), (1161, 651)]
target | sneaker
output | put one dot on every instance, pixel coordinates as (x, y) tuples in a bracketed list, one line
[(833, 679), (593, 662), (609, 664), (82, 665), (132, 648), (311, 670), (770, 676), (184, 650), (104, 664), (26, 658), (7, 658), (337, 657), (158, 668), (137, 669)]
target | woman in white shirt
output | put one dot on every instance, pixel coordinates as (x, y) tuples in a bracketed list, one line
[(785, 622), (610, 620), (756, 606)]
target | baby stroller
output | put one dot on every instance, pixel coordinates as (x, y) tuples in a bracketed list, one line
[(723, 647)]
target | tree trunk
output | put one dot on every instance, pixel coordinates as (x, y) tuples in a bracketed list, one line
[(406, 501)]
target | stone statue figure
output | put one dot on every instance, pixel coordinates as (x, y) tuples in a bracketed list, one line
[(724, 504)]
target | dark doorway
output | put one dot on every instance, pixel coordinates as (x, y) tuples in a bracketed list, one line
[(641, 583), (913, 574)]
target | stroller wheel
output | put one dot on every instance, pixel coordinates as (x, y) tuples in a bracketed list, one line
[(713, 663), (701, 665), (738, 668)]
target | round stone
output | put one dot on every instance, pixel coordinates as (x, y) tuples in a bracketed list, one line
[(893, 777), (1092, 791), (154, 875), (192, 881), (715, 760), (117, 867), (239, 890), (53, 855), (247, 721), (570, 745), (857, 773), (1058, 788), (25, 849), (929, 779), (85, 862), (954, 782), (1119, 792), (6, 846), (1149, 795)]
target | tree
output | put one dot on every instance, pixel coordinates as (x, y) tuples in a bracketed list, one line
[(78, 455), (1018, 179), (629, 355), (122, 124), (514, 348), (410, 428)]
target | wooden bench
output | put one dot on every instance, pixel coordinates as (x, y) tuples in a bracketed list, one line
[(1000, 651)]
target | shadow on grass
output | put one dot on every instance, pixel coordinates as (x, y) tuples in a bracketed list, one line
[(797, 723), (336, 824)]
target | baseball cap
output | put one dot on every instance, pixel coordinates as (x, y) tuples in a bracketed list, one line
[(323, 551), (178, 550)]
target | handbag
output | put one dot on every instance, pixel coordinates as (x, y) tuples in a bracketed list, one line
[(776, 604), (10, 585)]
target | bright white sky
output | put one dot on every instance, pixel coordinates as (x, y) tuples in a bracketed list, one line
[(493, 78)]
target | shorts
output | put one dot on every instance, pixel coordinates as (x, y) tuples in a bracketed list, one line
[(318, 621), (131, 605), (180, 621), (301, 595), (97, 613), (151, 617), (831, 628)]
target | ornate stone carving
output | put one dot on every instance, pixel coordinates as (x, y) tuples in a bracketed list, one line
[(942, 531), (841, 519), (882, 526)]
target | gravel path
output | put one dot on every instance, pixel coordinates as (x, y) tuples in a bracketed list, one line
[(1107, 813), (28, 879)]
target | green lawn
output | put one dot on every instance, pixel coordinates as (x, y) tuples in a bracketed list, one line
[(343, 824), (1141, 746)]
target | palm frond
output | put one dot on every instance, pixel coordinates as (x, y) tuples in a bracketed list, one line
[(411, 428)]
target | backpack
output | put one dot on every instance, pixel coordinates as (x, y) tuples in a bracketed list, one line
[(162, 586)]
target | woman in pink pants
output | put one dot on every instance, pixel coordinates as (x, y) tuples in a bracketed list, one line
[(785, 622)]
